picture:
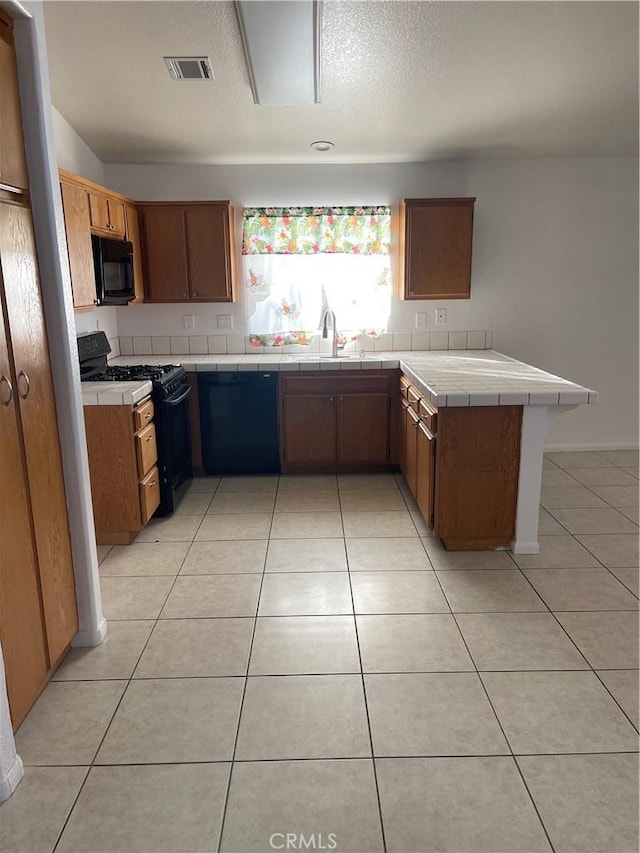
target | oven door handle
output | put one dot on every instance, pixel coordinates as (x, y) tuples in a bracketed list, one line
[(175, 401)]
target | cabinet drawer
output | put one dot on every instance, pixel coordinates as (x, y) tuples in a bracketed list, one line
[(414, 397), (143, 415), (146, 450), (149, 494), (344, 383), (428, 415)]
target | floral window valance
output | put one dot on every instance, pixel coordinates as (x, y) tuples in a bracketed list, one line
[(316, 230)]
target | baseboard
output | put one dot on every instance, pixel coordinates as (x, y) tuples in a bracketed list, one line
[(558, 448), (84, 639), (10, 782)]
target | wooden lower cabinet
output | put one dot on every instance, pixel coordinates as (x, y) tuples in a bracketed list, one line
[(124, 475), (337, 423), (462, 466)]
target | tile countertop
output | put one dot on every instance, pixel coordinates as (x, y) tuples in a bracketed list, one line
[(114, 393), (451, 378)]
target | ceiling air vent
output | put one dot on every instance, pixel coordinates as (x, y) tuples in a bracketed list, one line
[(189, 67)]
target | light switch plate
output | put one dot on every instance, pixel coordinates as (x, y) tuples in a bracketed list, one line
[(225, 321), (421, 320), (189, 322)]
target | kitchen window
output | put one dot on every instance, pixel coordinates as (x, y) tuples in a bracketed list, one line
[(299, 261)]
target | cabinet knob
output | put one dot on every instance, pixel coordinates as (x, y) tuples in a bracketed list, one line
[(342, 399), (24, 385), (331, 399), (152, 483), (194, 293), (185, 294), (149, 438), (6, 391), (147, 416)]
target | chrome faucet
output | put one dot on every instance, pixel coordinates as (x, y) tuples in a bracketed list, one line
[(334, 346)]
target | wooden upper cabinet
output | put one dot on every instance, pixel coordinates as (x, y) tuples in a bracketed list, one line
[(435, 248), (13, 164), (132, 234), (165, 254), (208, 239), (188, 250), (107, 215), (77, 219)]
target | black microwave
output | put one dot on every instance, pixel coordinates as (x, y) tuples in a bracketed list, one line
[(113, 264)]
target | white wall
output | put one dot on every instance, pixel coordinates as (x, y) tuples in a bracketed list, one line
[(73, 153), (555, 261)]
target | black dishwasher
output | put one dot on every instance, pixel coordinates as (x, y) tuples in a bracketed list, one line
[(239, 422)]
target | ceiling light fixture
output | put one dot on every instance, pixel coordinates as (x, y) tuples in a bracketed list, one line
[(281, 41), (322, 145)]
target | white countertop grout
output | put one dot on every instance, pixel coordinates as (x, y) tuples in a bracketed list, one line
[(447, 378)]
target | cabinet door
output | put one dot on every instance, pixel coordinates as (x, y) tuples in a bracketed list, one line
[(309, 428), (363, 428), (410, 449), (13, 164), (37, 409), (425, 472), (24, 645), (402, 433), (209, 253), (133, 236), (165, 244), (116, 217), (99, 210), (77, 222), (438, 236)]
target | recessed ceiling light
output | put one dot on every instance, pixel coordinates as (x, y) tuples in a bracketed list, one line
[(322, 145)]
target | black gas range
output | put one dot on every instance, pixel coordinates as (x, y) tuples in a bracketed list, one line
[(170, 393)]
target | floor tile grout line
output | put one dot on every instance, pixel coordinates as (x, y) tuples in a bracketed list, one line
[(118, 704), (499, 722), (588, 662), (332, 758), (364, 696), (246, 677)]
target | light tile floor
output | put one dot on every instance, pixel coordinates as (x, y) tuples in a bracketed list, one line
[(297, 655)]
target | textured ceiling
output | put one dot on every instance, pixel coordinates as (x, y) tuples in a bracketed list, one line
[(401, 81)]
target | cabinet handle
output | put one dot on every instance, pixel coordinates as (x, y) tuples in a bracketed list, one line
[(342, 399), (185, 294), (148, 415), (149, 438), (6, 391), (152, 483), (331, 399), (23, 383), (194, 293)]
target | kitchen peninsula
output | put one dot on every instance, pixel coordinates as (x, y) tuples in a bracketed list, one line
[(454, 386)]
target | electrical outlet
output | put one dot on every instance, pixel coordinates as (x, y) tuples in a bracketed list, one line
[(189, 322), (225, 321), (441, 316), (421, 320)]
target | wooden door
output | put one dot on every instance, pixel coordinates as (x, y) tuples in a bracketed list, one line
[(425, 472), (363, 428), (437, 248), (410, 449), (116, 217), (99, 209), (22, 632), (37, 410), (165, 249), (209, 252), (133, 236), (309, 428), (13, 164), (77, 222)]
